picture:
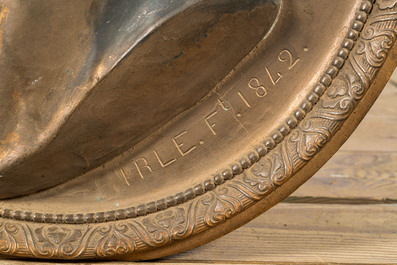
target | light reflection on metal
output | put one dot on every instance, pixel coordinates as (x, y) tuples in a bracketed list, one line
[(135, 129)]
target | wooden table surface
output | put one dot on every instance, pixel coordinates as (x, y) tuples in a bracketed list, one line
[(346, 213)]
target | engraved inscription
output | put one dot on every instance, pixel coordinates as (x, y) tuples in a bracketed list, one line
[(223, 105), (139, 166), (243, 99), (272, 79), (210, 124), (260, 90), (237, 100), (286, 56), (163, 164), (125, 177), (179, 144)]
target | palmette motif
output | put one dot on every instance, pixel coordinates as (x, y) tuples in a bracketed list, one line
[(333, 106)]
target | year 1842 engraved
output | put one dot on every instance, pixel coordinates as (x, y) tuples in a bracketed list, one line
[(184, 142), (261, 85), (261, 90)]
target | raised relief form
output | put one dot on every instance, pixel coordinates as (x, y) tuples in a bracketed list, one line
[(213, 122)]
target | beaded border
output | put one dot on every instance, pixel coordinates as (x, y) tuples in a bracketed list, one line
[(227, 174)]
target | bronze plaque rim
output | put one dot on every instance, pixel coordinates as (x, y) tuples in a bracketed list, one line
[(227, 194)]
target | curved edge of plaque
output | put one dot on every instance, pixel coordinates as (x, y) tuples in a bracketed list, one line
[(330, 114)]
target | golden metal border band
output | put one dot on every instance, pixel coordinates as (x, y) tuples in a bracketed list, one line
[(327, 110)]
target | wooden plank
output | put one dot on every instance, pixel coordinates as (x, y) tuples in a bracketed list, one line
[(296, 234), (393, 78), (352, 177), (378, 130), (385, 107), (373, 136), (310, 233)]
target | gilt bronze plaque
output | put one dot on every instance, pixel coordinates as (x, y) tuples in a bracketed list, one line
[(138, 129)]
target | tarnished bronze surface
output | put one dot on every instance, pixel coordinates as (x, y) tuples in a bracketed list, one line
[(137, 129)]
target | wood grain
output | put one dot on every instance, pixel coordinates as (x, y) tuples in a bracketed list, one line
[(352, 177), (384, 109), (309, 233), (393, 79)]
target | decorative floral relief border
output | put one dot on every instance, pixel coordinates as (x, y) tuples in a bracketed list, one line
[(229, 173), (333, 107)]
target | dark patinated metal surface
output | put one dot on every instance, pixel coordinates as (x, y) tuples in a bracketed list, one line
[(137, 129), (86, 80)]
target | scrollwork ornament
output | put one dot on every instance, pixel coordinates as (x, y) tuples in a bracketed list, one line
[(114, 241), (386, 4), (56, 241), (375, 44), (263, 184), (310, 139), (123, 237), (166, 226), (220, 206), (8, 241)]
